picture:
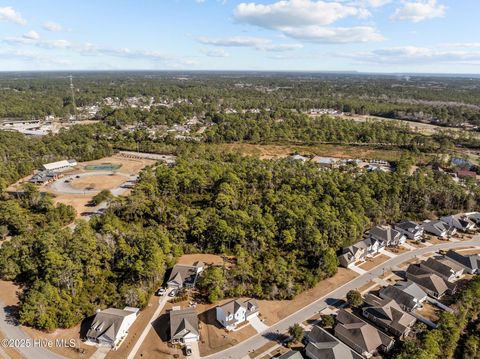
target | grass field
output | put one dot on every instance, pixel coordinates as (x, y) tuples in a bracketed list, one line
[(103, 166)]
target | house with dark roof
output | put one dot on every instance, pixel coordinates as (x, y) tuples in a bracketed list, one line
[(183, 325), (184, 276), (323, 345), (386, 236), (110, 326), (474, 216), (460, 221), (439, 228), (236, 312), (470, 262), (292, 354), (410, 229), (444, 267), (361, 336), (388, 315), (407, 294), (434, 285)]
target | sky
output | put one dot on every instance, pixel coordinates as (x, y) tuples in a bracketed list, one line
[(408, 36)]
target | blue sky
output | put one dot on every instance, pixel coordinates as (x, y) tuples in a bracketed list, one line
[(301, 35)]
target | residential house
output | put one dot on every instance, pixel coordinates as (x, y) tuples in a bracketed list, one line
[(327, 162), (471, 262), (388, 315), (292, 354), (386, 236), (439, 228), (474, 216), (434, 285), (323, 345), (444, 267), (184, 275), (410, 229), (235, 312), (460, 222), (361, 336), (355, 253), (299, 158), (406, 293), (110, 326), (183, 325)]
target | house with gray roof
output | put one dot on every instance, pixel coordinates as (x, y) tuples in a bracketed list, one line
[(444, 267), (439, 228), (323, 345), (434, 285), (470, 262), (292, 354), (388, 315), (354, 253), (386, 236), (183, 325), (474, 216), (361, 336), (407, 294), (410, 229), (460, 221), (184, 276), (236, 312), (110, 326)]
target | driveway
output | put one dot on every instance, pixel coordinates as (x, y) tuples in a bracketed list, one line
[(251, 344), (257, 324)]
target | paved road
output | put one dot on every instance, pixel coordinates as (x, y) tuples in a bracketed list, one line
[(12, 331), (244, 348)]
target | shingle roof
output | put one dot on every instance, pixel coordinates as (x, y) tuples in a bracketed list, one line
[(471, 261), (183, 322), (107, 323), (323, 345), (427, 279)]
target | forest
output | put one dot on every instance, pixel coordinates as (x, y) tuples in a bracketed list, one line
[(449, 101)]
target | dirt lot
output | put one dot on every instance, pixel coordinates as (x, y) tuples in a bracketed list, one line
[(274, 310), (373, 262), (98, 183), (208, 259), (281, 151), (429, 311)]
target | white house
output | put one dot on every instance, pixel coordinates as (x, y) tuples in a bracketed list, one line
[(235, 312), (183, 325), (110, 326), (59, 166)]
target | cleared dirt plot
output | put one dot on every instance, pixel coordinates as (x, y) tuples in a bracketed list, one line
[(98, 183), (208, 259), (274, 310), (373, 262)]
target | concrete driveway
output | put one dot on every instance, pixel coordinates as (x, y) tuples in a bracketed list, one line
[(257, 324)]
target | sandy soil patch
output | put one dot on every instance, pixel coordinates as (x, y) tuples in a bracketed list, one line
[(9, 293), (99, 182), (373, 262), (429, 311), (274, 310), (129, 165), (11, 352), (208, 259)]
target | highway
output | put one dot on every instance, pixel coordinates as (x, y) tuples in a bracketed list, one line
[(242, 349)]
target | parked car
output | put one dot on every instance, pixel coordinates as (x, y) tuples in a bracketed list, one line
[(161, 292), (173, 293)]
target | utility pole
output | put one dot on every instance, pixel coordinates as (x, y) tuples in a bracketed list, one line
[(72, 89)]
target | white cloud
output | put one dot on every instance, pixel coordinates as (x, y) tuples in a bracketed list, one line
[(31, 35), (52, 26), (253, 42), (216, 52), (334, 35), (8, 13), (419, 10), (415, 55), (308, 20), (296, 13)]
